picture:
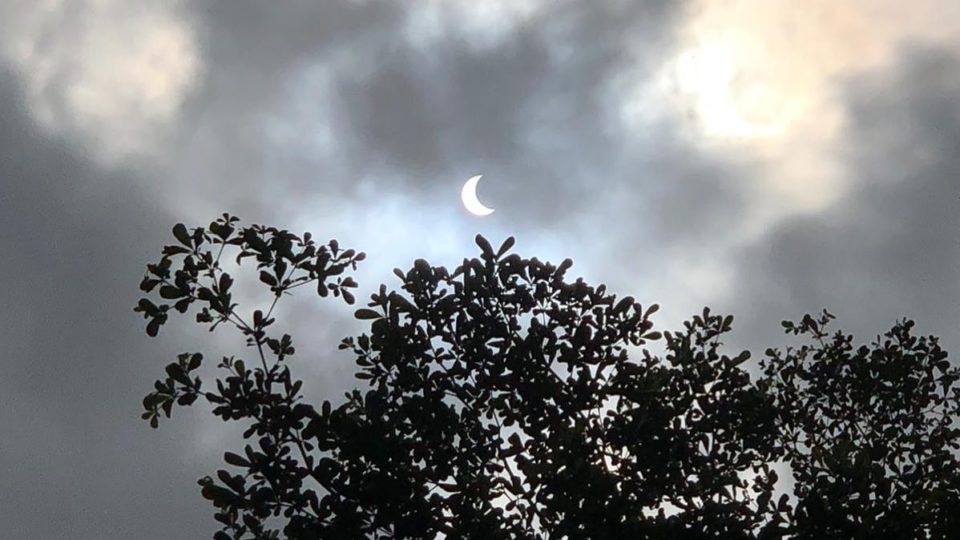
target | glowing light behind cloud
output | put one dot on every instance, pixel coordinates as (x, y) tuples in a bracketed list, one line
[(759, 80), (761, 69)]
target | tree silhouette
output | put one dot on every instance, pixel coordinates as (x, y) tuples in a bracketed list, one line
[(504, 400), (870, 433)]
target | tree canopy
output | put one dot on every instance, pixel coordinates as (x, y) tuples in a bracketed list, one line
[(504, 399)]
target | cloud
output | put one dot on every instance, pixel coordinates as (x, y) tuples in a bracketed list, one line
[(113, 74), (75, 459), (338, 125), (321, 99), (762, 81), (890, 247)]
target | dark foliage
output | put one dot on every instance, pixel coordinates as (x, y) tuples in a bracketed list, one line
[(499, 401), (870, 433)]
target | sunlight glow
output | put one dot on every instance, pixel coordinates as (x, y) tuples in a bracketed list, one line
[(725, 102)]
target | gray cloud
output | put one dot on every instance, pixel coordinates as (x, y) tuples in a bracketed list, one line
[(531, 110), (534, 117), (891, 247), (75, 458), (252, 55)]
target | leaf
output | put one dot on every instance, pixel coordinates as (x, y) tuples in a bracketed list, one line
[(268, 278), (764, 499), (219, 495), (152, 400), (623, 305), (175, 250), (485, 246), (176, 372), (148, 284), (235, 483), (195, 360), (205, 294), (181, 234), (225, 282), (401, 304), (146, 306), (783, 504), (182, 305), (366, 314), (153, 327), (170, 292), (505, 246)]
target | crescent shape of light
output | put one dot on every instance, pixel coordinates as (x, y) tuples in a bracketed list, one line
[(470, 201)]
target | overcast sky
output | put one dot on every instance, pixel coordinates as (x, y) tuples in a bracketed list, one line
[(766, 158)]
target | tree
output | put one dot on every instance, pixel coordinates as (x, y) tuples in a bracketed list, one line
[(870, 433), (504, 400)]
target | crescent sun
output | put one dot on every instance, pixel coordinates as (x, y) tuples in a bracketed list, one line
[(469, 196)]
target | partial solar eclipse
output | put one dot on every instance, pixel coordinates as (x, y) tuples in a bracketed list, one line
[(469, 197)]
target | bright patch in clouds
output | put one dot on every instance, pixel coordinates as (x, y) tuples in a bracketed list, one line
[(708, 75), (761, 69), (760, 83), (763, 77), (483, 23), (114, 72)]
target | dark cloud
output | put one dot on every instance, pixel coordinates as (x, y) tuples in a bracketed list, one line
[(429, 112), (532, 110), (890, 248), (253, 56), (75, 458)]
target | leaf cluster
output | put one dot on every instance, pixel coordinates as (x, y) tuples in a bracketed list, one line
[(504, 399), (870, 432)]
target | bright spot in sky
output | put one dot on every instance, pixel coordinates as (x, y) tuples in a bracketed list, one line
[(725, 102)]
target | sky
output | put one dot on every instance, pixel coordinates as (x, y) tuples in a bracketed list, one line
[(766, 158)]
